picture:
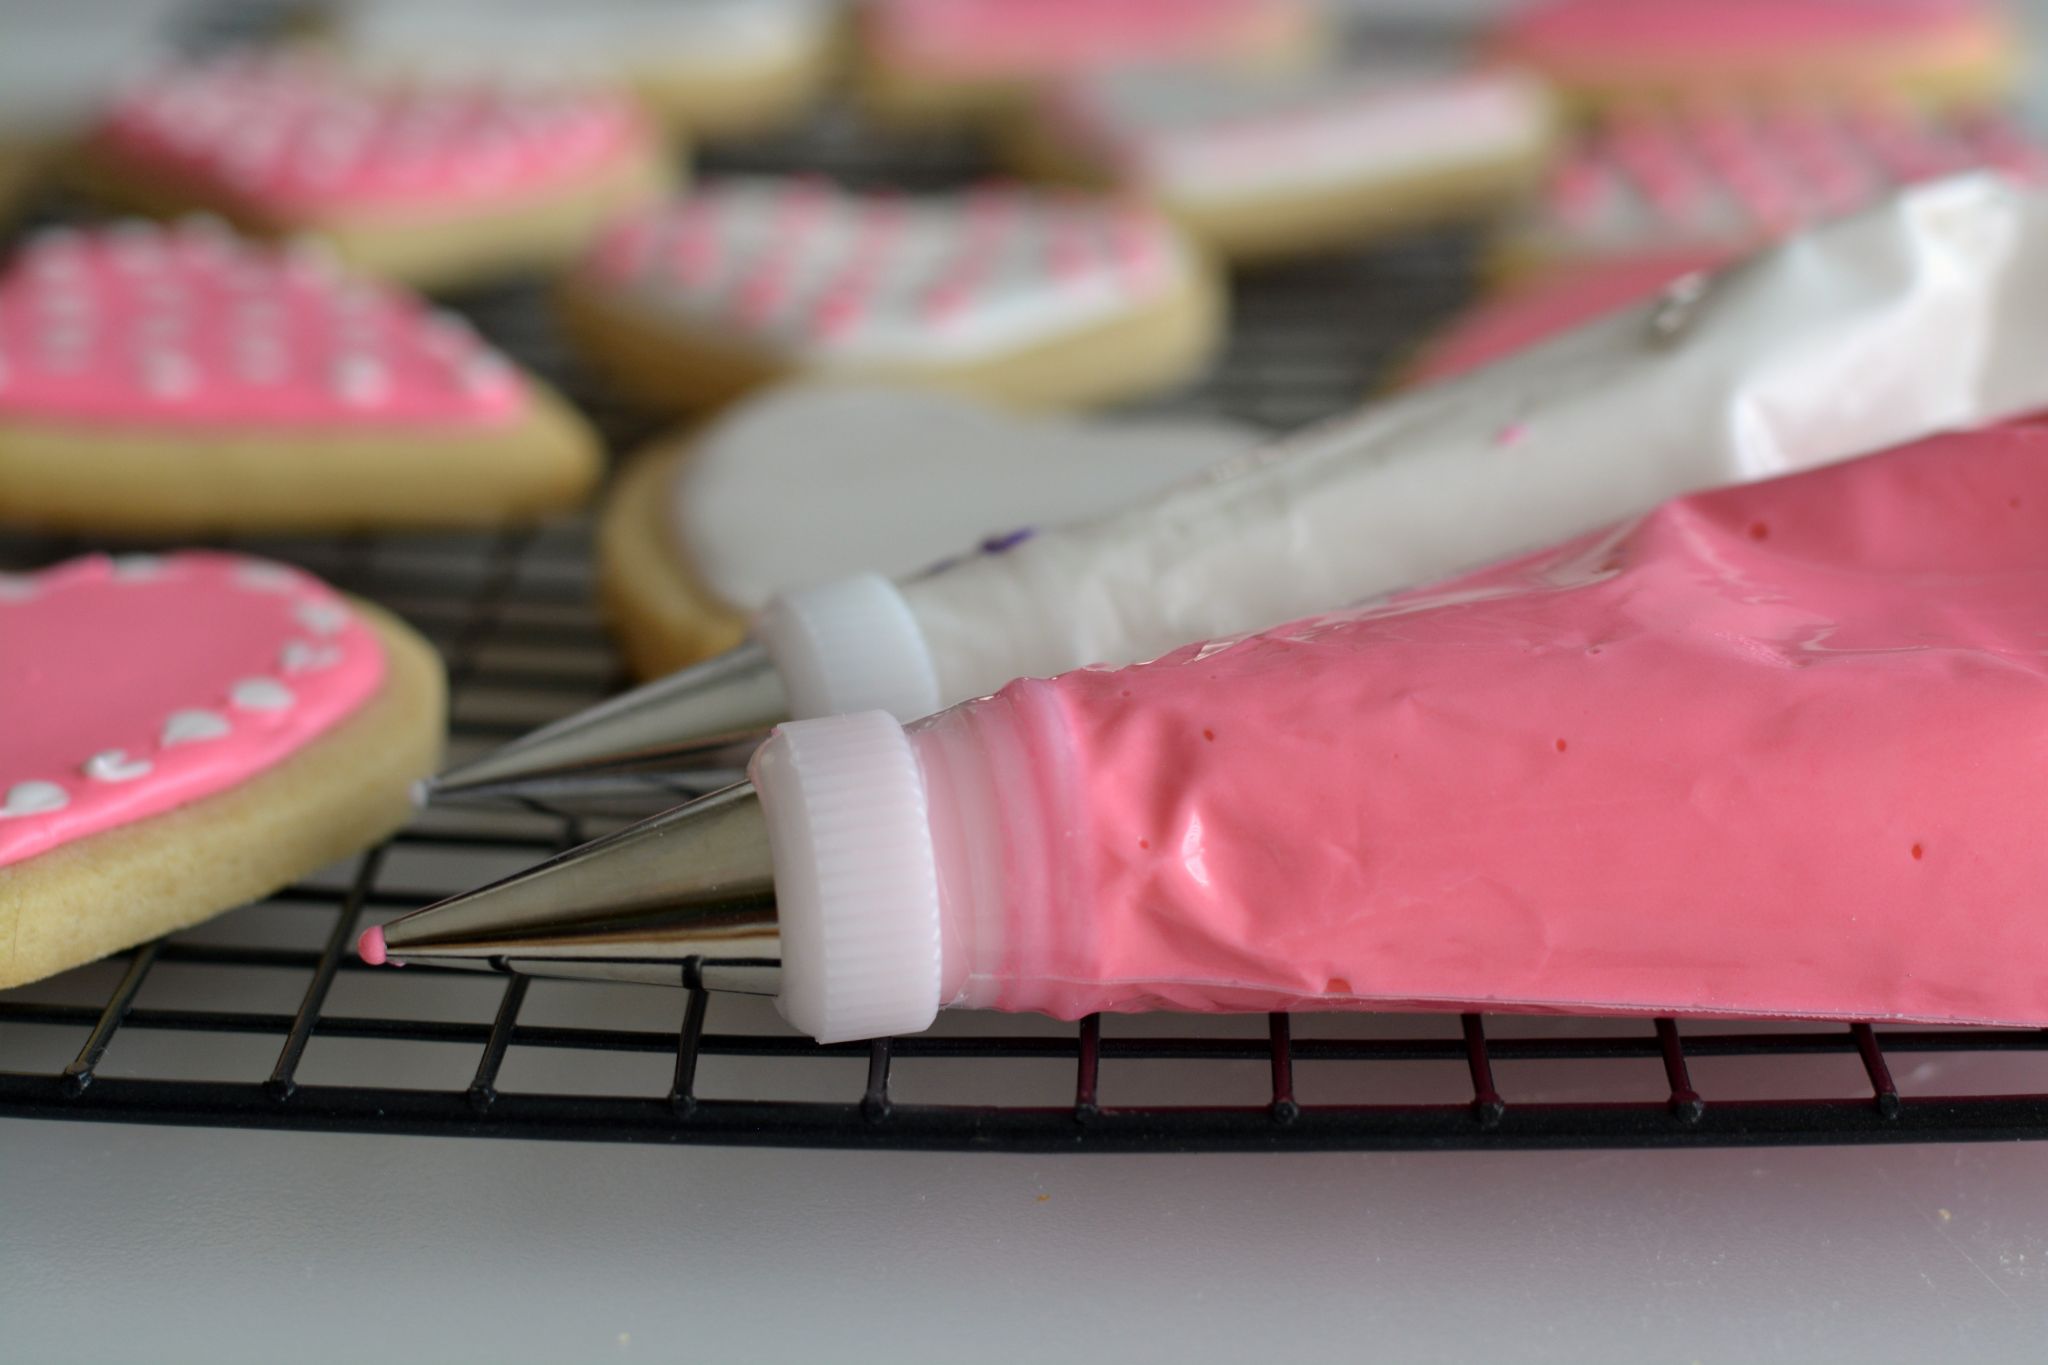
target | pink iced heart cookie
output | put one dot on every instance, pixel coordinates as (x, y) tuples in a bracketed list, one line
[(1624, 50), (157, 378), (1009, 293), (938, 58), (431, 183), (1722, 177), (193, 729)]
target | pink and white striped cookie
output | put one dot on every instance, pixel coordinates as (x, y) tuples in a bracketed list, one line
[(182, 379), (928, 60), (1723, 177), (1263, 164), (1625, 51), (184, 732), (436, 184), (1034, 298)]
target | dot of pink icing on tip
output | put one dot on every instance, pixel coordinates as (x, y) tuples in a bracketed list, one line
[(370, 946)]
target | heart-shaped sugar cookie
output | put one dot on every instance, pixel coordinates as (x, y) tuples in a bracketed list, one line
[(128, 695)]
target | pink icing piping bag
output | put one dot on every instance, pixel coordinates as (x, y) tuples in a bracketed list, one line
[(1771, 750)]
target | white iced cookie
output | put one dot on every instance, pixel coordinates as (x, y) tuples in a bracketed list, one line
[(714, 66), (1723, 178), (1263, 164), (808, 483), (1037, 299)]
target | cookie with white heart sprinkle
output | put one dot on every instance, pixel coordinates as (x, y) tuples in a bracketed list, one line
[(438, 184), (1032, 298), (184, 380), (172, 750)]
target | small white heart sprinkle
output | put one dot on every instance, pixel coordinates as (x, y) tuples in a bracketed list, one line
[(322, 618), (301, 657), (186, 727), (261, 694), (266, 577), (114, 765), (33, 798)]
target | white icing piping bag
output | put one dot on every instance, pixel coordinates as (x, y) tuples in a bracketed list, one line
[(1924, 314)]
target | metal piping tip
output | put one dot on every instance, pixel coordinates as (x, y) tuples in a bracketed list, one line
[(708, 717), (684, 898)]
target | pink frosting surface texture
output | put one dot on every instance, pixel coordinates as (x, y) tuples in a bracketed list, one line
[(1776, 750), (1664, 29), (192, 326), (301, 138), (134, 685), (1042, 37)]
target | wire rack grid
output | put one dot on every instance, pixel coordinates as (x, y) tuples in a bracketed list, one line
[(263, 1018)]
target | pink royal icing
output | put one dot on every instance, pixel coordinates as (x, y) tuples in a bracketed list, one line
[(301, 137), (1617, 30), (1771, 750), (137, 324), (811, 266), (1041, 37), (137, 684)]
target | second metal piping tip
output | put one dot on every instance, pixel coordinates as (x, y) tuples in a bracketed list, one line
[(709, 717)]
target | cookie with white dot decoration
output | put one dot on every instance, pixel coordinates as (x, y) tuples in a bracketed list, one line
[(1624, 52), (186, 732), (1030, 298), (810, 482), (438, 184), (182, 379), (933, 61), (712, 67), (1726, 177), (1262, 165)]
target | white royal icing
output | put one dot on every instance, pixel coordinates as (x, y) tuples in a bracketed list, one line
[(1221, 133), (810, 482), (261, 694), (33, 798), (190, 727), (114, 765), (802, 266)]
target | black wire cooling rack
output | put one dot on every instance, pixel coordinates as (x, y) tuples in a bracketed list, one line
[(263, 1018)]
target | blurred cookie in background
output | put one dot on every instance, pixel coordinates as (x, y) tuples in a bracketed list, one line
[(1260, 165), (59, 63), (436, 184), (1608, 52), (940, 61), (182, 380), (1722, 177), (810, 482), (1021, 296), (714, 68)]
